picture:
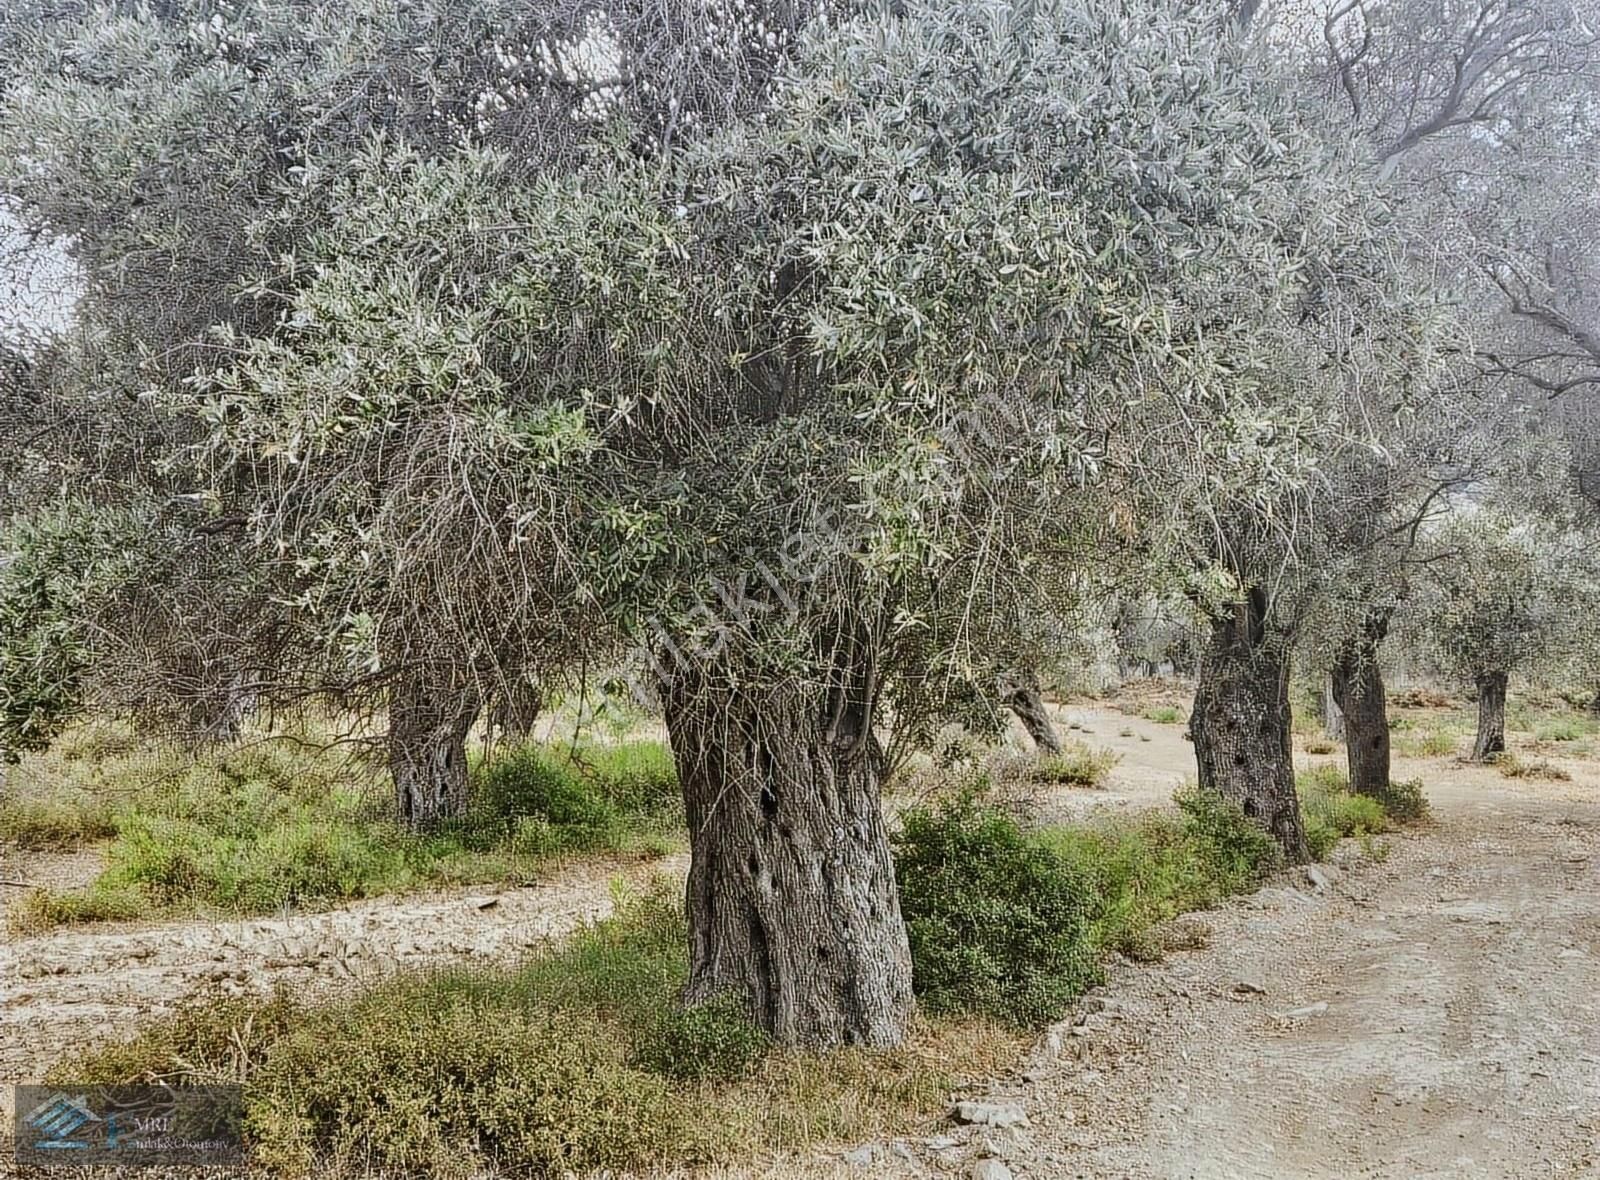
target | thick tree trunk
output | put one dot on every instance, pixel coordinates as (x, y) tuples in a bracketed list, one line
[(1358, 688), (1491, 717), (515, 709), (428, 726), (1020, 691), (1240, 722), (1332, 711), (791, 895)]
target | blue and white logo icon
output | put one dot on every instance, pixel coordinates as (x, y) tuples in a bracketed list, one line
[(58, 1118)]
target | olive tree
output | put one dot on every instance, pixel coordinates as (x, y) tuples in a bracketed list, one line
[(1505, 602), (187, 154), (783, 402)]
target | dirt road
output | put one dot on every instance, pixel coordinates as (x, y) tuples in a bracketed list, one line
[(1428, 1014)]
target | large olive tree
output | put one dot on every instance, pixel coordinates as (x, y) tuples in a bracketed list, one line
[(184, 156)]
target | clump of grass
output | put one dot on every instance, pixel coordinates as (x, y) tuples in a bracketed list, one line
[(255, 829), (1425, 743), (1404, 802), (1320, 745), (1163, 715), (105, 900), (1564, 729), (1145, 872), (55, 822), (1077, 765), (1331, 811), (577, 1060), (1512, 766)]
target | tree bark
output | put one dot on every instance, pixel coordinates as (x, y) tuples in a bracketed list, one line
[(1240, 722), (791, 896), (428, 726), (515, 709), (1020, 691), (1332, 711), (1359, 691), (1491, 716)]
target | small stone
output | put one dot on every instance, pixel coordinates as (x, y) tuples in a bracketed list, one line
[(862, 1157), (1571, 952), (1004, 1143), (485, 903), (1249, 987), (1320, 877), (990, 1114), (988, 1169)]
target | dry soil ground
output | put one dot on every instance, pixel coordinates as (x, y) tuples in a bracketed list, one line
[(1425, 1012)]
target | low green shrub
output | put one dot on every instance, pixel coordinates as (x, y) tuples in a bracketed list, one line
[(715, 1040), (526, 784), (106, 900), (639, 777), (1163, 715), (1238, 849), (1437, 743), (1144, 872), (1331, 811), (998, 922), (1075, 766), (1332, 817), (54, 823), (1405, 802)]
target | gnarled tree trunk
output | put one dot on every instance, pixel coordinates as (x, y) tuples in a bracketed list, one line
[(1491, 716), (1240, 722), (428, 726), (514, 710), (1358, 688), (1020, 691), (791, 895)]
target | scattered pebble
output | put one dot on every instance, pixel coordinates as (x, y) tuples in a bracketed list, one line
[(990, 1114)]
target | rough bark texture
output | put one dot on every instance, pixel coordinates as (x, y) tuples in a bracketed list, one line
[(1240, 722), (1491, 716), (791, 894), (1358, 689), (515, 709), (1020, 691), (428, 728)]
